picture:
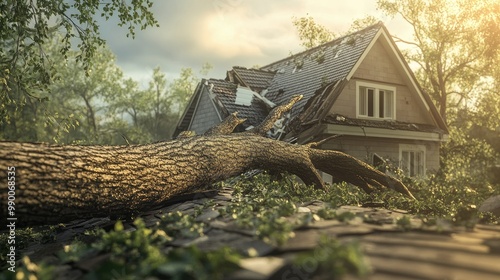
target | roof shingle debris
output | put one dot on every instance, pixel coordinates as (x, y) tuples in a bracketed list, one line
[(225, 96), (393, 249)]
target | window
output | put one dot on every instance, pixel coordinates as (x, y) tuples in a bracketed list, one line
[(412, 160), (376, 101)]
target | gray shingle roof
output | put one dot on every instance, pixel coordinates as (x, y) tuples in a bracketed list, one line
[(304, 73), (255, 79)]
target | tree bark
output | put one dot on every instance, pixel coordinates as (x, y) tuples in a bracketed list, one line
[(56, 184)]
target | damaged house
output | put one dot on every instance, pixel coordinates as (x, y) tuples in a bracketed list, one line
[(358, 86)]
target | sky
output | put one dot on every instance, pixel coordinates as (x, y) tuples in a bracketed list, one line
[(228, 33)]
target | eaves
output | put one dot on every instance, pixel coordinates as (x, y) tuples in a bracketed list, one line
[(384, 133)]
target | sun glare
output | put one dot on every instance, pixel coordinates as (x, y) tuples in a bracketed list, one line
[(226, 36)]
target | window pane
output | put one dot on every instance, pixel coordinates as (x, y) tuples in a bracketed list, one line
[(389, 104), (412, 164), (362, 101), (404, 161), (381, 95), (420, 163), (370, 97)]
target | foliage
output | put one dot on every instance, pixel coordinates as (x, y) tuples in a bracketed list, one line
[(179, 225), (139, 253), (191, 263), (439, 198), (26, 27), (262, 205), (265, 205), (362, 23), (333, 259), (24, 237), (74, 104), (138, 250), (26, 270), (311, 34), (100, 107), (404, 222), (329, 213), (466, 159)]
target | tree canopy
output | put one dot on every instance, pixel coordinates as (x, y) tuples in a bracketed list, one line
[(44, 43), (26, 26), (311, 33), (454, 43), (100, 106)]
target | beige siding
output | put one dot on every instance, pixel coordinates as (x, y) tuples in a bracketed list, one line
[(377, 67), (205, 115), (346, 102), (363, 148)]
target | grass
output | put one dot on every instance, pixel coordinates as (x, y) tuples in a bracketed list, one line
[(261, 205)]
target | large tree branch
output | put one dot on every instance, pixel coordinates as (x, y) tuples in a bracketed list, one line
[(60, 183)]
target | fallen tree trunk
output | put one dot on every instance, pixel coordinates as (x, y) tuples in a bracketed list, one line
[(55, 184)]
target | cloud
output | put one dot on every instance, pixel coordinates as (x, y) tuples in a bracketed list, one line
[(224, 33)]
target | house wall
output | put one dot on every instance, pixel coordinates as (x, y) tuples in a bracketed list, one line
[(377, 67), (363, 149), (205, 115)]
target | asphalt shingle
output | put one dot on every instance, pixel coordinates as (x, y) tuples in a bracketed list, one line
[(255, 79), (304, 73)]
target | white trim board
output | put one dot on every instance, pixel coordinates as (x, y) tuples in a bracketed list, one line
[(384, 133)]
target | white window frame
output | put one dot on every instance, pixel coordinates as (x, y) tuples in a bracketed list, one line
[(377, 89), (408, 152)]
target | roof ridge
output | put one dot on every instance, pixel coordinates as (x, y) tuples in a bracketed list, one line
[(220, 80), (252, 69), (379, 24)]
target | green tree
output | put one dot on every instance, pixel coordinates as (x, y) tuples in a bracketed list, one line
[(86, 95), (454, 43), (168, 100), (26, 26), (160, 105), (129, 102), (362, 23), (75, 106), (182, 88), (311, 34), (44, 118)]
